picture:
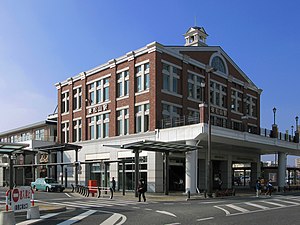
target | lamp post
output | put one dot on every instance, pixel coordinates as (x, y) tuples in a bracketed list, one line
[(292, 127), (209, 70), (296, 130), (274, 111)]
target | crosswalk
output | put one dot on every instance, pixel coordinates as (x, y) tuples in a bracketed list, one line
[(259, 205), (80, 209), (97, 203)]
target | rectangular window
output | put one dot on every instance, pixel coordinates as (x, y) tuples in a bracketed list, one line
[(99, 126), (218, 94), (77, 97), (99, 91), (123, 122), (65, 102), (142, 77), (77, 130), (142, 118), (123, 84), (65, 132), (171, 78)]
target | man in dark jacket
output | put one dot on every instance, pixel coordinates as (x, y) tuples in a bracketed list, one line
[(141, 189)]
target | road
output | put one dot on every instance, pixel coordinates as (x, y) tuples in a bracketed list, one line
[(278, 209)]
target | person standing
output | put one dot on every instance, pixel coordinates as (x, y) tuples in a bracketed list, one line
[(269, 188), (258, 187), (113, 184), (141, 189)]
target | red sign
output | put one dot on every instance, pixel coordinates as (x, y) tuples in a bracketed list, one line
[(21, 198), (15, 195)]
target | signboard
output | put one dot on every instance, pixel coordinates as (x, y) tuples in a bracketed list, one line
[(21, 198)]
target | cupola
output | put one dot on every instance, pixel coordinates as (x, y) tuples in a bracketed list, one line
[(195, 36)]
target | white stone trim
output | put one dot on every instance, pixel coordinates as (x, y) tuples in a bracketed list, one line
[(141, 63), (122, 70), (100, 78)]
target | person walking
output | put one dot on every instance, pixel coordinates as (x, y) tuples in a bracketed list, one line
[(141, 189), (113, 184), (258, 187), (269, 188)]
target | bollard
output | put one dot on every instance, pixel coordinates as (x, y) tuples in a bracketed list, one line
[(87, 192), (7, 218), (6, 200), (98, 192), (32, 197), (33, 212)]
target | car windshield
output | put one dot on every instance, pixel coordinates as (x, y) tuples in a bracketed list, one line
[(50, 181)]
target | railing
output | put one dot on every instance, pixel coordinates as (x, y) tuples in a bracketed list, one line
[(188, 120), (179, 121)]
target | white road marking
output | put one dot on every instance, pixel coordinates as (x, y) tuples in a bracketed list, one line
[(68, 195), (257, 206), (113, 219), (173, 224), (208, 218), (237, 208), (77, 218), (148, 209), (289, 202), (273, 203), (226, 211), (212, 202), (37, 220), (166, 213)]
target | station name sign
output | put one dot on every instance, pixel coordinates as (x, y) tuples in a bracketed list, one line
[(99, 108)]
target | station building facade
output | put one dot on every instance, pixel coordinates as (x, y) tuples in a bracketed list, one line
[(174, 94)]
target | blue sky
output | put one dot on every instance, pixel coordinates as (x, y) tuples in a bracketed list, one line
[(44, 42)]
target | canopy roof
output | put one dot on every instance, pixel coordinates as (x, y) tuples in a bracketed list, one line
[(9, 148), (58, 147), (159, 146)]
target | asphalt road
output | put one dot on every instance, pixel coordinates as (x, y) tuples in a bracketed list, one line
[(279, 209)]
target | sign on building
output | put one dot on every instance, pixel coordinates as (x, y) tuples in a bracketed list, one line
[(21, 198)]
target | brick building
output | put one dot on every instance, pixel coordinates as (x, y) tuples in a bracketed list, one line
[(153, 93)]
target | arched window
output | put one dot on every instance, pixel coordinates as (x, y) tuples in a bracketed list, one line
[(218, 64)]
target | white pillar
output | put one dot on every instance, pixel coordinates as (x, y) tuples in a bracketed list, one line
[(281, 170), (191, 165)]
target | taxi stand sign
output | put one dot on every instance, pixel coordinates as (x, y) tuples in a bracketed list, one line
[(21, 198)]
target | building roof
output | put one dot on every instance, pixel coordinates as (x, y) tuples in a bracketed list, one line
[(27, 127), (175, 51)]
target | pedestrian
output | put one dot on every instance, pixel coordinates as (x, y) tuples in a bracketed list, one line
[(269, 188), (113, 184), (141, 189), (258, 187), (220, 182)]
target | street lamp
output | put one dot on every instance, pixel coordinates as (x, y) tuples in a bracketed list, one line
[(209, 70), (296, 130), (274, 111)]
